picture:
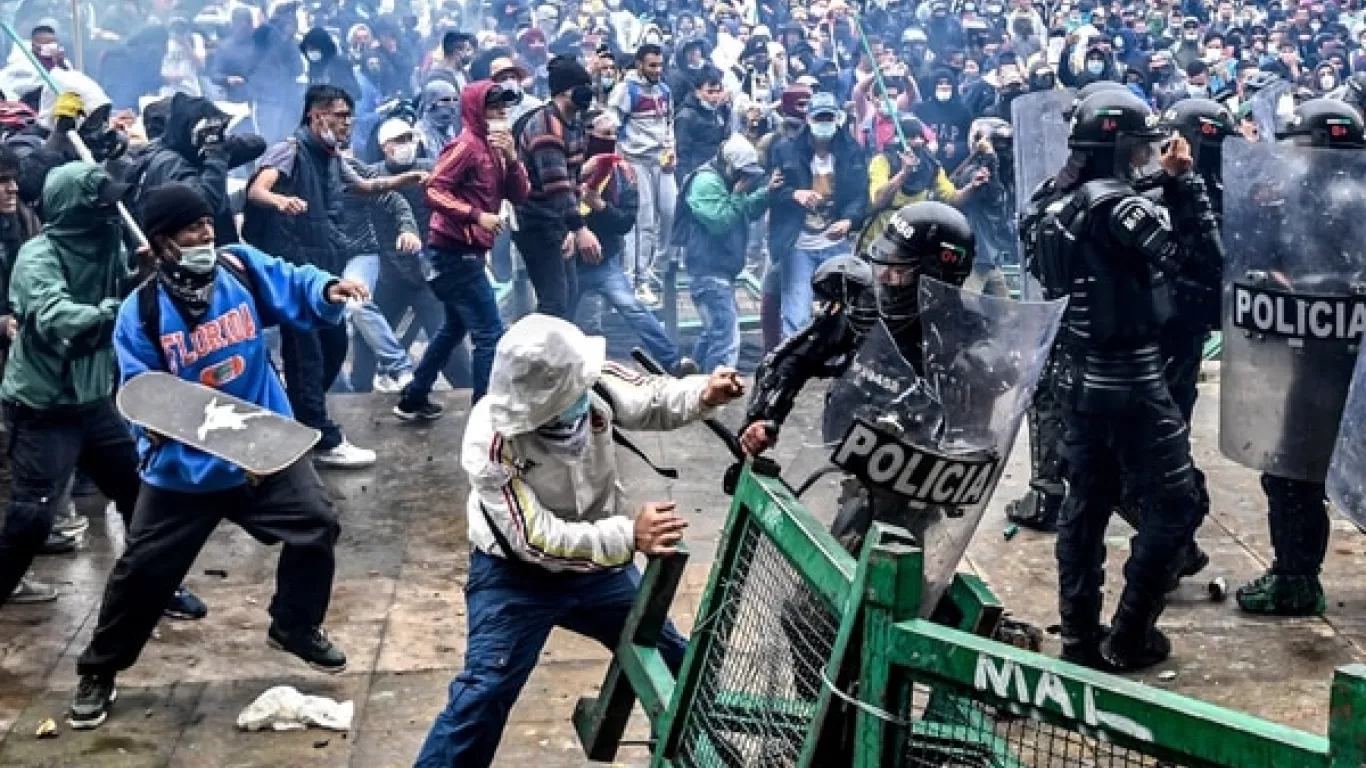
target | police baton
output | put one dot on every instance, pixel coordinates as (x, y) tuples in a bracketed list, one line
[(82, 150)]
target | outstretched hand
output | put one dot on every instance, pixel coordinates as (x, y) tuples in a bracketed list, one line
[(347, 290)]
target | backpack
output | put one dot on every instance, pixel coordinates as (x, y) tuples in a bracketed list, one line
[(149, 306), (633, 98)]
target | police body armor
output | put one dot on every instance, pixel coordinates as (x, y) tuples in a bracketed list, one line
[(1117, 302), (929, 449), (1294, 309)]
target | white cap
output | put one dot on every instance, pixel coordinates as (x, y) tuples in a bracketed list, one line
[(393, 128), (541, 366)]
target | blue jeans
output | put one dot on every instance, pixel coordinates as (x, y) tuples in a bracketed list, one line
[(511, 608), (463, 287), (610, 282), (718, 343), (370, 323), (798, 268)]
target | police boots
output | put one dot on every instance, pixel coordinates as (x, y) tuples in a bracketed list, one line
[(1282, 594), (1135, 642)]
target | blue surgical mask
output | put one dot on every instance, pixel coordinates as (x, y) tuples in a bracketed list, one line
[(571, 415), (1095, 67), (824, 130)]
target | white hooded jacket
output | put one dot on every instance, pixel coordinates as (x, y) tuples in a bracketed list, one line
[(565, 514)]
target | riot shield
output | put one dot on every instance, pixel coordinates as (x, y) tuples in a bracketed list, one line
[(930, 449), (1294, 310), (1272, 107), (1347, 472), (1040, 152)]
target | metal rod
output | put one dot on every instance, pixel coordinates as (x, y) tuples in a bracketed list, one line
[(82, 150), (881, 86)]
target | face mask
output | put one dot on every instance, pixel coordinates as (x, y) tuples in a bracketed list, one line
[(199, 259), (571, 415), (943, 94), (1328, 82), (608, 83), (315, 56), (403, 154), (499, 126), (442, 114), (513, 86), (824, 131), (582, 96), (1213, 55), (1095, 67), (49, 50), (1192, 36), (1197, 91), (328, 138)]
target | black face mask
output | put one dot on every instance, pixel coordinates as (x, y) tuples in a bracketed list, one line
[(582, 96), (600, 146)]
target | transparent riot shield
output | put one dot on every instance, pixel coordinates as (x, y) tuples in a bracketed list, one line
[(1347, 472), (1271, 108), (1294, 310), (1040, 152), (930, 449)]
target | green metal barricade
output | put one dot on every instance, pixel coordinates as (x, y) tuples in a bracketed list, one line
[(787, 612)]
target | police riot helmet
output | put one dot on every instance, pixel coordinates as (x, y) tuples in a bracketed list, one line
[(1089, 89), (1326, 123), (923, 238), (848, 282), (1204, 124), (1354, 91), (1117, 132)]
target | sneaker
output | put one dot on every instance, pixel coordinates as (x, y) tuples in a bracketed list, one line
[(645, 295), (412, 409), (686, 366), (58, 544), (1279, 594), (344, 456), (31, 591), (90, 708), (392, 384), (185, 605), (71, 523), (312, 646)]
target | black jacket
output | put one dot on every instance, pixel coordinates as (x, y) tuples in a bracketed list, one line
[(700, 132), (334, 69), (613, 223), (792, 156), (173, 158)]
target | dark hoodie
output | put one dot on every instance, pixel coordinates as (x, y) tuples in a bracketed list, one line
[(471, 178), (700, 132), (174, 158), (950, 120), (334, 69), (680, 77)]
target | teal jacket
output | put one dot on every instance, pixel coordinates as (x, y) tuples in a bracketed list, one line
[(66, 290), (716, 223)]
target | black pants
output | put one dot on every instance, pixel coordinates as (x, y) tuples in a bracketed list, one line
[(312, 360), (554, 277), (1298, 519), (45, 447), (1045, 438), (170, 528), (1143, 446)]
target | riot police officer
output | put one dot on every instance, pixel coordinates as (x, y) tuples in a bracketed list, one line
[(1108, 249), (922, 239), (1297, 514)]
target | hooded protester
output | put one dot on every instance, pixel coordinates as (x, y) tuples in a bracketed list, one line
[(274, 82), (1096, 65), (66, 288), (703, 122), (194, 150), (134, 69), (326, 65), (472, 179), (553, 546), (944, 113), (1326, 78), (689, 59), (440, 121), (990, 205)]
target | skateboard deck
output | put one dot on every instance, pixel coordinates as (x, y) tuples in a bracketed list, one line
[(258, 440)]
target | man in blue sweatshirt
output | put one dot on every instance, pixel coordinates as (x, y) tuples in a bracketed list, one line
[(202, 317)]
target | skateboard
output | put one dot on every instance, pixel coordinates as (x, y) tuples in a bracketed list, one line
[(258, 440)]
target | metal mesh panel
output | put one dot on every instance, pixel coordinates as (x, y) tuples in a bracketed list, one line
[(942, 729), (761, 677)]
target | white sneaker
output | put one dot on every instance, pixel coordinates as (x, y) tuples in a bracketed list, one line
[(71, 523), (345, 456), (404, 379), (389, 384)]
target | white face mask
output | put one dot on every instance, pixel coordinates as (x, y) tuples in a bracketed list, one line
[(1328, 82), (315, 56), (1213, 55), (499, 126), (1095, 67), (49, 50), (943, 94), (199, 259), (403, 154)]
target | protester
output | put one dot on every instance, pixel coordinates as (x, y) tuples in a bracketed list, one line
[(197, 284)]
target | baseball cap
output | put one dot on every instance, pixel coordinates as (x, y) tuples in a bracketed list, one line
[(823, 104), (393, 128)]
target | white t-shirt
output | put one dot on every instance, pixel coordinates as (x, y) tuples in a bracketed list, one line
[(822, 216)]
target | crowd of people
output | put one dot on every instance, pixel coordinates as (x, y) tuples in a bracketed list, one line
[(323, 170)]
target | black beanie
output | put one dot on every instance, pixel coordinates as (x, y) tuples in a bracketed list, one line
[(566, 73), (169, 208)]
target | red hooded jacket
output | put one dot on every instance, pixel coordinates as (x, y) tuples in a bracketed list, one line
[(471, 177)]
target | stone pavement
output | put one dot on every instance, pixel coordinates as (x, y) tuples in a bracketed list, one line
[(398, 612)]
